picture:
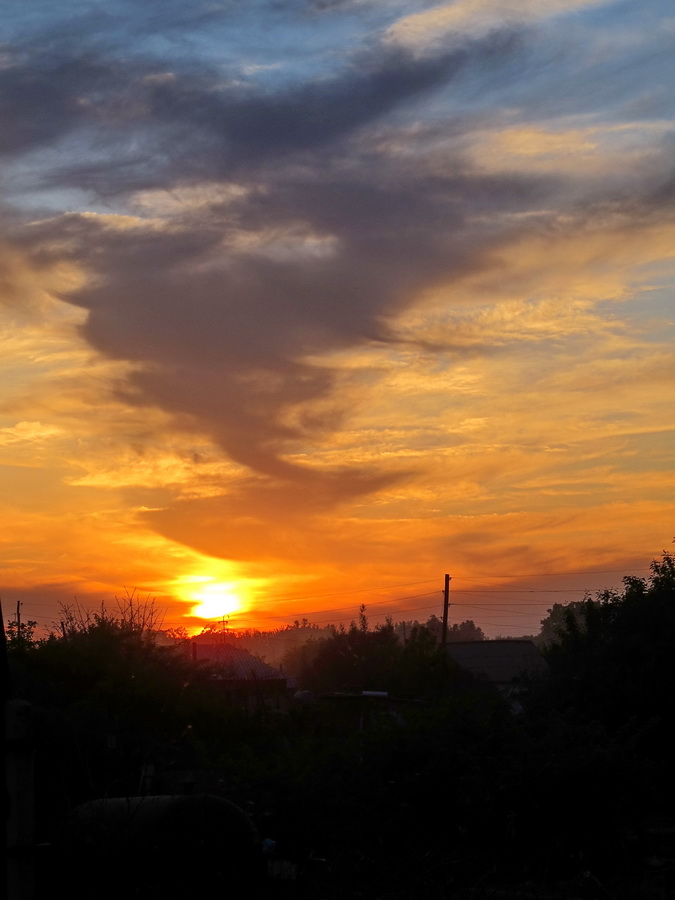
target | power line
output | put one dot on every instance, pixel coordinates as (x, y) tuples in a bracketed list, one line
[(519, 591), (354, 591), (394, 600), (555, 574), (456, 590), (498, 609), (343, 608)]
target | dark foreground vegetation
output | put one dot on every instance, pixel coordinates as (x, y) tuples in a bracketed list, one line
[(444, 790)]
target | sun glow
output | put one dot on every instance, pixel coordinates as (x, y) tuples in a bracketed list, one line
[(212, 599)]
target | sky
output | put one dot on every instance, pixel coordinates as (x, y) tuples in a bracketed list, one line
[(306, 304)]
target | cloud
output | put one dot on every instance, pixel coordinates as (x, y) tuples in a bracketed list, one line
[(445, 22), (219, 310), (226, 308), (28, 433), (335, 306)]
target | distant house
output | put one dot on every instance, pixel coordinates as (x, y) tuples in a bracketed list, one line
[(247, 680), (503, 663)]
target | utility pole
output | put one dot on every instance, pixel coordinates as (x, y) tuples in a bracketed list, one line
[(446, 604)]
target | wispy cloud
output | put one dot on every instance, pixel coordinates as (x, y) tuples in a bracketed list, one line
[(455, 21)]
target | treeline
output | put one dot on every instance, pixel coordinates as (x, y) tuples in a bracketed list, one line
[(446, 791), (284, 646)]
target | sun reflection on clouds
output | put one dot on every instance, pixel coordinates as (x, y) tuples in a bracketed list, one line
[(209, 596)]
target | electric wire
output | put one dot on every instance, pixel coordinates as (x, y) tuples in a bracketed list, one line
[(518, 592)]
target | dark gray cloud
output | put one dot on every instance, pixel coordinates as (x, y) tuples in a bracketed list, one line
[(221, 332), (40, 99), (136, 122), (219, 329)]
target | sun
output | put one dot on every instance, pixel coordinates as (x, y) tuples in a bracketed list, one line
[(214, 599)]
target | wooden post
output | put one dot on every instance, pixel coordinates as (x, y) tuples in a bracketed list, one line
[(446, 604)]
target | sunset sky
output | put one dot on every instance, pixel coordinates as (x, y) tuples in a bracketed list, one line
[(305, 304)]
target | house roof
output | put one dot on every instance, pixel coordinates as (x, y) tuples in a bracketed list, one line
[(240, 664), (498, 661)]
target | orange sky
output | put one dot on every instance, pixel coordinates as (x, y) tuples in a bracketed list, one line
[(298, 333)]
